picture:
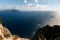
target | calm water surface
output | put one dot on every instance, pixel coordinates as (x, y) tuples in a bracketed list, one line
[(25, 23)]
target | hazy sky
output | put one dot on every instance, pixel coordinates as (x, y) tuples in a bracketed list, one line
[(19, 3)]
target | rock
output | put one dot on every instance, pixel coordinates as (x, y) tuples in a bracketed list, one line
[(48, 32)]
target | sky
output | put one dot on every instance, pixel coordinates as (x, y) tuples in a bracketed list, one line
[(21, 2), (13, 2), (30, 4)]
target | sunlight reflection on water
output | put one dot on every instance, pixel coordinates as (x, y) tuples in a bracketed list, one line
[(55, 19)]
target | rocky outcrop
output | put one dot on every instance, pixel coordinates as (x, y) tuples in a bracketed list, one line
[(47, 33)]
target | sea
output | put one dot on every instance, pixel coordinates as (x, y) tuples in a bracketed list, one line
[(25, 23)]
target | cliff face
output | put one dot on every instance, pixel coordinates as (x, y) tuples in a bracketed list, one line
[(6, 35), (47, 33)]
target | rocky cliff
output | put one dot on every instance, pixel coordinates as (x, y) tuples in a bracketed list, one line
[(47, 33)]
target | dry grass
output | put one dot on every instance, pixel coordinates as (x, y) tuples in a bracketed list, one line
[(1, 38), (6, 33), (15, 37)]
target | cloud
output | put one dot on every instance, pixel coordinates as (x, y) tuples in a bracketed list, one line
[(25, 1), (31, 7), (4, 7), (36, 1)]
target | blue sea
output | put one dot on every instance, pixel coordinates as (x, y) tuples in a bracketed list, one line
[(25, 23)]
